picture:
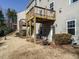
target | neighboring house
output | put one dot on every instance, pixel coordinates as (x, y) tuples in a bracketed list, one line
[(40, 19), (21, 25)]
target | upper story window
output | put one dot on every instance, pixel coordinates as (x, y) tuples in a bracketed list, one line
[(72, 1), (35, 2), (52, 5), (41, 12), (39, 0)]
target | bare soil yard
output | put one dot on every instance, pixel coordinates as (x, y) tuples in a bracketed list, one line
[(18, 48)]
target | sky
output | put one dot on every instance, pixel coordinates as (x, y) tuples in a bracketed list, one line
[(18, 5)]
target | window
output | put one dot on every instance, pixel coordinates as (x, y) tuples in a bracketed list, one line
[(71, 27), (23, 25), (35, 2), (72, 1), (39, 0), (41, 12), (48, 0), (52, 5)]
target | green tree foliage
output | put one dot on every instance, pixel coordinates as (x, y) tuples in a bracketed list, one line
[(1, 18), (12, 15)]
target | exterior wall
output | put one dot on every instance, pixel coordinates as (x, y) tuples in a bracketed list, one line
[(21, 15), (44, 3), (68, 12)]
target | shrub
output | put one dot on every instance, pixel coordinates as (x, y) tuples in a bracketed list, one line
[(1, 33), (17, 34), (45, 42), (5, 30), (61, 39), (23, 32)]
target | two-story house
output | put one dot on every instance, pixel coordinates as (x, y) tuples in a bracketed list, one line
[(40, 19)]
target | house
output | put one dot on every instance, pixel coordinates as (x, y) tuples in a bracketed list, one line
[(40, 17), (49, 17), (21, 25)]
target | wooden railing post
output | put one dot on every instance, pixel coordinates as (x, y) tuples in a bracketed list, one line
[(54, 14), (30, 29)]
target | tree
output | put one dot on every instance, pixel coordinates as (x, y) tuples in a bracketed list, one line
[(1, 18), (12, 16)]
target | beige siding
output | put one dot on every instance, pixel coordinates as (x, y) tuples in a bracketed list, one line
[(44, 3), (69, 11)]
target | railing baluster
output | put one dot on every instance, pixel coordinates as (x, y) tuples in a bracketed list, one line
[(45, 13)]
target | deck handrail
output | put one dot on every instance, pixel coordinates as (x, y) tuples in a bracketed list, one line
[(34, 12)]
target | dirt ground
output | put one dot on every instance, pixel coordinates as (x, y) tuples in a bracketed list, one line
[(18, 48)]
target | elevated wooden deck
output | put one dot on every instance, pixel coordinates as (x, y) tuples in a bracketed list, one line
[(40, 13)]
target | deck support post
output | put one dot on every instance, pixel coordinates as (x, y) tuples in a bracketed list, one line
[(30, 28), (26, 30), (35, 29)]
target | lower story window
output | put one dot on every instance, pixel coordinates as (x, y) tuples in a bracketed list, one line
[(71, 27), (71, 31)]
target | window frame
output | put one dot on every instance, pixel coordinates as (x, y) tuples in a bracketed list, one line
[(72, 27), (71, 2), (48, 0), (53, 4), (74, 1), (39, 0)]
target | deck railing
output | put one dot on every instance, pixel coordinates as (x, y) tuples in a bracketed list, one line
[(40, 13)]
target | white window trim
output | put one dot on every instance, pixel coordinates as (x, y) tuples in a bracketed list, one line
[(67, 25), (54, 4), (70, 2)]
